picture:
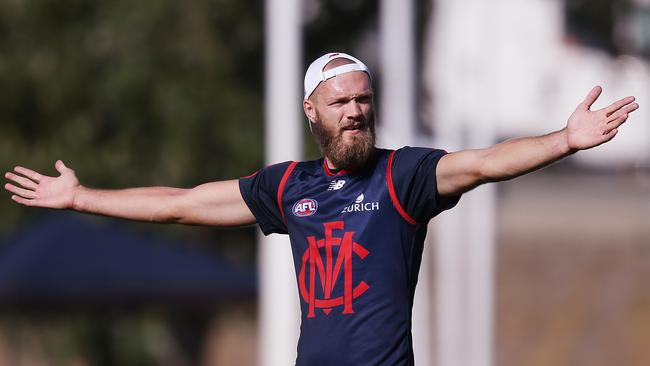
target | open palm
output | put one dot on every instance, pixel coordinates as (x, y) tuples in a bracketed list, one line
[(587, 128), (34, 189)]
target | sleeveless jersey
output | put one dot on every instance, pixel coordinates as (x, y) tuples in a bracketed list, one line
[(357, 241)]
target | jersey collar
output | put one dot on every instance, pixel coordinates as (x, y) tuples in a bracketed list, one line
[(331, 173)]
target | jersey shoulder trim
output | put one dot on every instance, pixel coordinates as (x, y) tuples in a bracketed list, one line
[(391, 191), (283, 182)]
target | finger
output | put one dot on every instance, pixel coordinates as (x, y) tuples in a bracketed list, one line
[(625, 110), (36, 177), (610, 135), (618, 105), (20, 191), (60, 167), (616, 123), (592, 96), (22, 201), (29, 184)]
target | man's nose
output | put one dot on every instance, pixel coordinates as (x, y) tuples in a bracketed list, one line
[(354, 110)]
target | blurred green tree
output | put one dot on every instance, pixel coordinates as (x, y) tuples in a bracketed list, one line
[(131, 93)]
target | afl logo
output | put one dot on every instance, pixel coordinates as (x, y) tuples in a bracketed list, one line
[(305, 207)]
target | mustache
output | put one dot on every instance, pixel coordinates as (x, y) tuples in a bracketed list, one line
[(360, 124), (352, 126)]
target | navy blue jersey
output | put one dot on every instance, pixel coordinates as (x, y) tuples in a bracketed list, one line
[(357, 241)]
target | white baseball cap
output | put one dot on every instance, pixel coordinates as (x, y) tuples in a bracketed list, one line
[(315, 74)]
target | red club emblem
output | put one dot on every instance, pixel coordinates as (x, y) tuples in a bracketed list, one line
[(328, 271)]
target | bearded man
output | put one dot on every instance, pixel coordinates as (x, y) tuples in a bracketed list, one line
[(356, 218)]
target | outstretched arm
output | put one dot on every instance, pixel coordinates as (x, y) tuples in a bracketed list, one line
[(215, 204), (461, 171)]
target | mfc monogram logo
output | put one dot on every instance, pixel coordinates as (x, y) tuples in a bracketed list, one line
[(328, 271)]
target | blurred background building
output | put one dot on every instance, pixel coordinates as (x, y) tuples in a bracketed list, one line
[(172, 93)]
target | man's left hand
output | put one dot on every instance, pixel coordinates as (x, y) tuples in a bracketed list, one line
[(586, 128)]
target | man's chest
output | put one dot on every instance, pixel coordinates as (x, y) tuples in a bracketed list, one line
[(323, 199)]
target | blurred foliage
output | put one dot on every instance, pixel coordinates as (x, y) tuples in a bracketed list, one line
[(131, 93)]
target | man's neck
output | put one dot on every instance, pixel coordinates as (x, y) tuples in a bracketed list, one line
[(331, 166)]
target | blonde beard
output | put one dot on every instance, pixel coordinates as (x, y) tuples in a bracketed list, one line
[(351, 155)]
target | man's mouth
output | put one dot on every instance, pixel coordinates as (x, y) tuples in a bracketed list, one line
[(354, 128)]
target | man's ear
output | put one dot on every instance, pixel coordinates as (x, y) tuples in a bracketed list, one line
[(310, 110)]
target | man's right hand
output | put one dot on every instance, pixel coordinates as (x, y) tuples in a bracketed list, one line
[(214, 204), (30, 188)]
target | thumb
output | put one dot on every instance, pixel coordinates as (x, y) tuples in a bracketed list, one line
[(592, 96), (60, 167)]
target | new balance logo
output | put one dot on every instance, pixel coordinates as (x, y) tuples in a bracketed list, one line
[(335, 185)]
